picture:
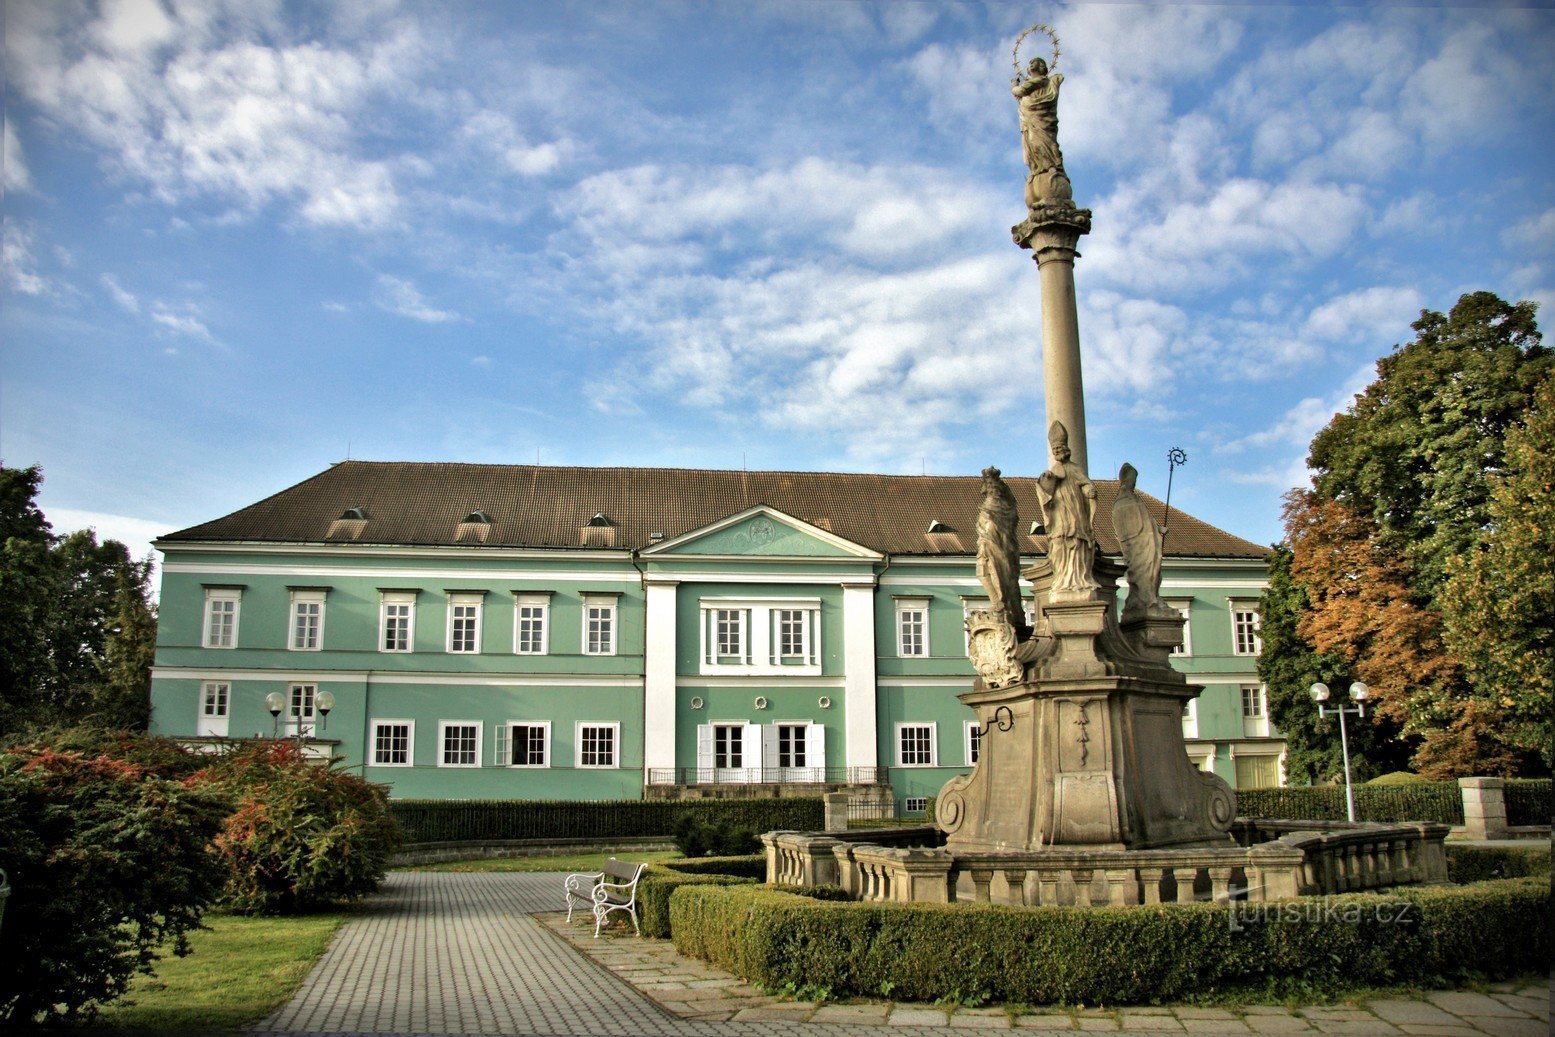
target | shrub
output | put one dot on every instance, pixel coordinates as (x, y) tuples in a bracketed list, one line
[(659, 882), (1398, 778), (1114, 955), (699, 837), (1530, 801), (300, 836), (430, 821), (1478, 863), (1439, 801), (750, 866), (107, 861)]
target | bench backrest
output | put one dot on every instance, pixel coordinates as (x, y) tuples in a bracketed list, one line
[(621, 871)]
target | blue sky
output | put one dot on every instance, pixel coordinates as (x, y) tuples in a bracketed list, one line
[(245, 241)]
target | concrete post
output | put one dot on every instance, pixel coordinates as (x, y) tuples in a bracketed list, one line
[(1484, 807), (836, 811)]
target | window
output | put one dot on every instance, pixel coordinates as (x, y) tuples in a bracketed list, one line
[(459, 743), (524, 743), (1245, 623), (307, 623), (599, 626), (791, 745), (530, 618), (729, 635), (915, 745), (215, 701), (793, 635), (392, 742), (752, 635), (1184, 609), (299, 710), (912, 627), (1258, 772), (974, 741), (916, 804), (597, 745), (221, 617), (1190, 718), (397, 621), (728, 745), (1252, 700), (464, 622)]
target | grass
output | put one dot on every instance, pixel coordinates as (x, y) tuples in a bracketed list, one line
[(570, 862), (242, 968)]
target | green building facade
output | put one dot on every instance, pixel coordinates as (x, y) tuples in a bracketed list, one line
[(491, 631)]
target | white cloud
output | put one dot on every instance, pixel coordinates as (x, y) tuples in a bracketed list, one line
[(16, 260), (496, 134), (125, 299), (1369, 317), (14, 176), (402, 298), (1536, 234), (184, 320)]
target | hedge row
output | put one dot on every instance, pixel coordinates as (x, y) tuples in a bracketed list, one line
[(1103, 956), (1477, 863), (436, 821), (1530, 801), (1439, 801), (662, 879)]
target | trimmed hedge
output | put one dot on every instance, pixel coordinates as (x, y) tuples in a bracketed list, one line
[(1477, 863), (1530, 801), (1439, 801), (750, 866), (435, 821), (1107, 955), (665, 877)]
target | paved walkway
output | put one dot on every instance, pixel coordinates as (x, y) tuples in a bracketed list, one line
[(449, 953)]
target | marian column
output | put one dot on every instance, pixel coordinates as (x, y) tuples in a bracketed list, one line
[(1051, 231)]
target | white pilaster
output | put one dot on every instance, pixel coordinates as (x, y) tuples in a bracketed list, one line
[(858, 660), (659, 677)]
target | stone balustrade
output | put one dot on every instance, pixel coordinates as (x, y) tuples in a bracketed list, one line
[(1268, 861)]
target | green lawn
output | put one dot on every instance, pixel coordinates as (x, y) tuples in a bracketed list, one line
[(241, 969), (574, 862)]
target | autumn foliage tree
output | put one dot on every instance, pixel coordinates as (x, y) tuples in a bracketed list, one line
[(1401, 496)]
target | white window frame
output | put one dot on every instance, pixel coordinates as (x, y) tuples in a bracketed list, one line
[(398, 598), (905, 608), (802, 626), (915, 804), (615, 746), (804, 726), (609, 606), (410, 742), (1184, 608), (541, 603), (443, 727), (1239, 608), (738, 727), (209, 723), (1261, 711), (458, 600), (1190, 718), (301, 709), (901, 755), (762, 635), (225, 596), (729, 636), (503, 756), (301, 600), (971, 743)]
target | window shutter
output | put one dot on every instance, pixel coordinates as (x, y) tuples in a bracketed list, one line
[(752, 746), (499, 741), (769, 747), (815, 750), (704, 752)]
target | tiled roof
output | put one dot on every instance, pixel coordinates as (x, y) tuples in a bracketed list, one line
[(424, 504)]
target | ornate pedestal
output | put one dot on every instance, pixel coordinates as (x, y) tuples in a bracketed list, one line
[(1083, 737)]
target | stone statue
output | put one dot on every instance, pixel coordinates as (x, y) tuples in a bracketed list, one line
[(1140, 540), (1068, 502), (998, 550), (1037, 94)]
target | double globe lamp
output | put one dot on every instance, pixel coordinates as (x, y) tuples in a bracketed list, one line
[(1359, 693), (275, 702)]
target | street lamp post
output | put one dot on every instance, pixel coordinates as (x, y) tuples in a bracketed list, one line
[(1359, 692), (275, 702)]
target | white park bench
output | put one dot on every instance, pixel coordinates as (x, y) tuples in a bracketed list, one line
[(614, 889)]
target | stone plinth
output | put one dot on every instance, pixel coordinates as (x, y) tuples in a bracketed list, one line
[(1484, 807), (1087, 749)]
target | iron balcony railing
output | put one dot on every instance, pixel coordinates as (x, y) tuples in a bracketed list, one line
[(767, 775)]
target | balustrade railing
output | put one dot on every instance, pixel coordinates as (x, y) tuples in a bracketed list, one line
[(767, 775)]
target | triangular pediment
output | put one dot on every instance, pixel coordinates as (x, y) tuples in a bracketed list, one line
[(762, 532)]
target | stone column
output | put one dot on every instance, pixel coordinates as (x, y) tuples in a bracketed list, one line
[(1052, 234), (1484, 807)]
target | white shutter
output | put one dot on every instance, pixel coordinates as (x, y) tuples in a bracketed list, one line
[(815, 750), (704, 753), (769, 751), (499, 753), (752, 748)]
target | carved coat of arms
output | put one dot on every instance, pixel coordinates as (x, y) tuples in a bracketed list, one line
[(991, 646)]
